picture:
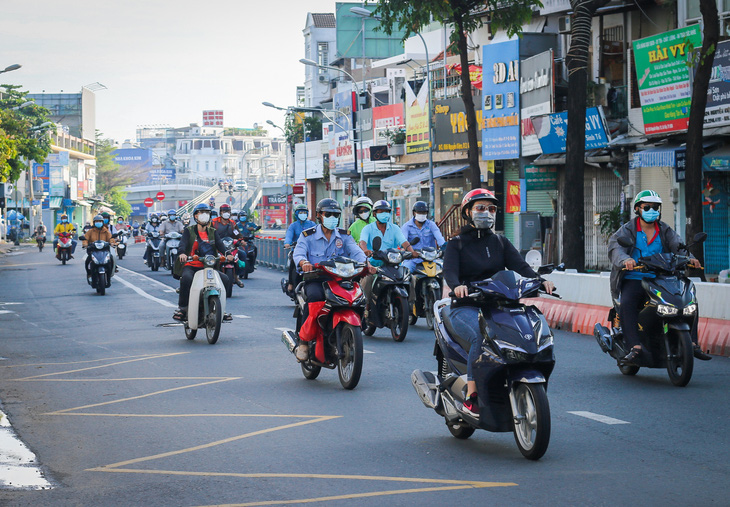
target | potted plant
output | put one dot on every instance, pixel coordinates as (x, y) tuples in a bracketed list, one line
[(396, 141)]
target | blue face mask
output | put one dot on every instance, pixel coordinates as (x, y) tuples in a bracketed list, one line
[(383, 218), (106, 220), (302, 216), (172, 218), (98, 225), (64, 221), (650, 216), (331, 222)]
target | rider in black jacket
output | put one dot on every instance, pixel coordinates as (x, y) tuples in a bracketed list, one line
[(475, 254)]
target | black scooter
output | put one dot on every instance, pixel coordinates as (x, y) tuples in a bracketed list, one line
[(101, 266), (388, 304), (511, 373), (665, 322)]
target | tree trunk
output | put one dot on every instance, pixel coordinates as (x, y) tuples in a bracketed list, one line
[(466, 96), (571, 191), (693, 174)]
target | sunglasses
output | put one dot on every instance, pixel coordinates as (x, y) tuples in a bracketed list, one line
[(328, 214), (647, 207), (485, 207)]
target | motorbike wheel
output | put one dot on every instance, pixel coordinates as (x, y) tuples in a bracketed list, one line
[(310, 371), (532, 434), (213, 319), (101, 284), (155, 263), (349, 367), (681, 364), (628, 369), (63, 259), (400, 318), (230, 274), (461, 431), (190, 333), (414, 315), (120, 254), (431, 298)]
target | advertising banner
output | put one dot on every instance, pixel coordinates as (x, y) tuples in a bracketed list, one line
[(663, 78), (387, 118), (541, 177), (342, 154), (513, 197), (213, 118), (536, 97), (717, 112), (552, 130), (501, 101), (475, 74), (314, 167), (417, 119), (342, 102), (450, 124), (162, 174)]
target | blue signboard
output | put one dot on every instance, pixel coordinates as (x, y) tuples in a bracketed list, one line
[(139, 209), (552, 130), (343, 103), (162, 174), (501, 101), (41, 170), (133, 157)]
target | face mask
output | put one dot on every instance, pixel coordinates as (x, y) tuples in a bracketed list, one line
[(302, 216), (226, 215), (331, 222), (106, 220), (98, 225), (650, 216), (364, 215), (383, 218), (234, 218), (203, 218), (172, 218), (483, 219), (420, 217), (64, 221)]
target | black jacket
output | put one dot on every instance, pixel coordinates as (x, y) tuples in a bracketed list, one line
[(477, 254)]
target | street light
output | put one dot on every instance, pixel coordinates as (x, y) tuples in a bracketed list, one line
[(9, 68), (286, 173), (312, 63), (24, 104)]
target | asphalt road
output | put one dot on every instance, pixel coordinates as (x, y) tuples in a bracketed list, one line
[(121, 409)]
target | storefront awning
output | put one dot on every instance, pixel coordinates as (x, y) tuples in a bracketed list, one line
[(661, 156), (718, 160), (81, 202), (417, 176), (55, 202)]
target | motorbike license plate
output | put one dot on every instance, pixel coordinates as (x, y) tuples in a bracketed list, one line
[(209, 274)]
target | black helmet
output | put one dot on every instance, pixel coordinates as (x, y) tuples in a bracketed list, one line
[(382, 205), (328, 204), (420, 207)]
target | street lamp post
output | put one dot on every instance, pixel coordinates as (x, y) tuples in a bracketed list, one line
[(312, 63), (286, 174), (10, 68)]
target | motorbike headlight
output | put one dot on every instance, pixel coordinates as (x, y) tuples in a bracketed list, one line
[(345, 269), (690, 309), (666, 310), (209, 261), (395, 257), (545, 341)]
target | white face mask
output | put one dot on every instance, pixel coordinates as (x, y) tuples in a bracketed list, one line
[(364, 215), (203, 218), (226, 215), (421, 217)]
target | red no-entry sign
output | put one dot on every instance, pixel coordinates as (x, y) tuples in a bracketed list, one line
[(160, 196), (149, 202)]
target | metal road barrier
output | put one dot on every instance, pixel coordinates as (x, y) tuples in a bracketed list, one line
[(271, 252)]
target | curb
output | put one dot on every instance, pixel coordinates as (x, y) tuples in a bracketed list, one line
[(714, 334)]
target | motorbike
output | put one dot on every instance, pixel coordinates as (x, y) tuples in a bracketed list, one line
[(153, 243), (340, 343), (427, 284), (250, 255), (229, 268), (665, 322), (121, 238), (63, 248), (41, 241), (101, 266), (511, 373), (388, 305), (207, 302), (172, 243), (285, 281)]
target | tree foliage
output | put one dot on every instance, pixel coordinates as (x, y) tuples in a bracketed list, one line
[(293, 129), (21, 137), (111, 177)]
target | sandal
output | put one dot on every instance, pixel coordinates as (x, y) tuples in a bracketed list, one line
[(302, 353), (179, 315), (633, 354)]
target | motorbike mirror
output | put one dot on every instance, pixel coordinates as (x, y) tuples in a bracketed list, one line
[(415, 241), (700, 237), (82, 238), (545, 269), (377, 243), (625, 242), (560, 267)]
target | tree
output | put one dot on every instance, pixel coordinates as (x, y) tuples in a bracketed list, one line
[(293, 129), (111, 177), (577, 61), (467, 16), (21, 136), (702, 62)]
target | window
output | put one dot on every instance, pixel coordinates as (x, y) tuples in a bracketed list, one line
[(207, 165), (197, 165), (323, 55)]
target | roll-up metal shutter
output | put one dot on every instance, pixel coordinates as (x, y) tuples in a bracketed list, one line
[(602, 193), (511, 173), (658, 179), (715, 219), (541, 201)]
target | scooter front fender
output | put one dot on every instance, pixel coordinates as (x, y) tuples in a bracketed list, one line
[(347, 315), (679, 325), (400, 291), (526, 377)]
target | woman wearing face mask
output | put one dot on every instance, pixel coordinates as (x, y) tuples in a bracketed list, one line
[(477, 253), (649, 235), (363, 210)]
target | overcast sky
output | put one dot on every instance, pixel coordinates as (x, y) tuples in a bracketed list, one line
[(163, 61)]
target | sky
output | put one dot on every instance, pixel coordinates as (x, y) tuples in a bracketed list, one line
[(163, 61)]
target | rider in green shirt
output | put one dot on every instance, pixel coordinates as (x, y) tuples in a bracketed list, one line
[(363, 210)]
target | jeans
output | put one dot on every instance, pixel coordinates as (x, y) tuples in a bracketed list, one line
[(465, 320)]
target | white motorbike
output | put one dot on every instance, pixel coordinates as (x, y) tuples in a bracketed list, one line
[(207, 302), (172, 243)]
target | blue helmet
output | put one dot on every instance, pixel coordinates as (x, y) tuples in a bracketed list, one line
[(171, 212), (201, 207)]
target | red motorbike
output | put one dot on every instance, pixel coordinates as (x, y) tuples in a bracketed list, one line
[(338, 342), (63, 249)]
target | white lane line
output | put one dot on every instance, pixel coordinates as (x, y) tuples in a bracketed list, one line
[(242, 316), (144, 294), (6, 311), (282, 329), (163, 285), (598, 417), (19, 468), (368, 351)]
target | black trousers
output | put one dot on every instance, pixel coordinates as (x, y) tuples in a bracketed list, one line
[(294, 276), (186, 280), (633, 297)]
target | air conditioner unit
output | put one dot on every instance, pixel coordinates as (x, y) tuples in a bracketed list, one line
[(564, 24), (323, 78)]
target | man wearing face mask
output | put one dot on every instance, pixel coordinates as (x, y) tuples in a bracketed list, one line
[(172, 224), (649, 235), (152, 226), (66, 227), (363, 210), (421, 227), (315, 245), (475, 254), (99, 232), (227, 228), (300, 224)]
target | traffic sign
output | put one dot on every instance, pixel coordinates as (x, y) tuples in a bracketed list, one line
[(149, 202), (231, 200), (160, 196)]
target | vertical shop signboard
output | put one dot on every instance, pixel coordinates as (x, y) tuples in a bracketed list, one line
[(501, 101), (513, 197), (417, 131)]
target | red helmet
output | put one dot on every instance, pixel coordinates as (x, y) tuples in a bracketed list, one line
[(477, 194)]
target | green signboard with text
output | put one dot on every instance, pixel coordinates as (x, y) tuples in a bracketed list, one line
[(541, 177)]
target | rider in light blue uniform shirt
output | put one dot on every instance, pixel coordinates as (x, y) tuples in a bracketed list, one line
[(300, 224), (421, 227)]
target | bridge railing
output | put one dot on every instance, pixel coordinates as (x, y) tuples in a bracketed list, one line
[(272, 253)]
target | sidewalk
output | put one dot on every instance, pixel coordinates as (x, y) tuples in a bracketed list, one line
[(6, 247)]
